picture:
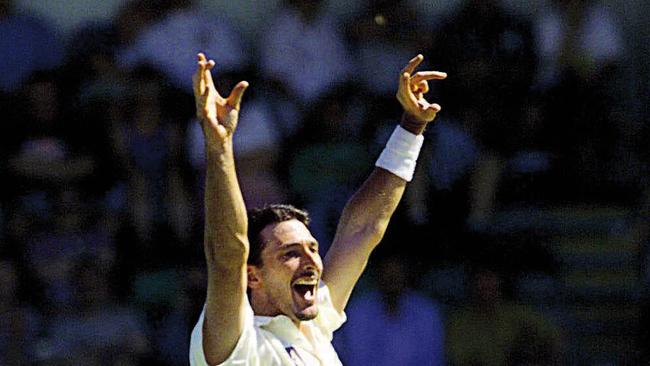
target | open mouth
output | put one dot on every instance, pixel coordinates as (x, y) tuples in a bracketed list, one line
[(305, 289)]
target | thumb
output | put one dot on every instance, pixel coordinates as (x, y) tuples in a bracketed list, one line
[(234, 100), (435, 107)]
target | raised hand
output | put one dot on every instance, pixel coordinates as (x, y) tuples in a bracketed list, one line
[(218, 115), (412, 87)]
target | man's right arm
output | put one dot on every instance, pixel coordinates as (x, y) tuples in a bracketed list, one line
[(225, 237)]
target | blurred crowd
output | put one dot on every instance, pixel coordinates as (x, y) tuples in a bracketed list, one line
[(101, 259)]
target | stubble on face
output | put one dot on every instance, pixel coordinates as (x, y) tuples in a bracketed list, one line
[(291, 272)]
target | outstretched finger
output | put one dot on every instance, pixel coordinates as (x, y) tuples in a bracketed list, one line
[(207, 77), (234, 100), (410, 67), (428, 75), (198, 79)]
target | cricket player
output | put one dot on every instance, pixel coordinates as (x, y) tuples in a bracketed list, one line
[(271, 298)]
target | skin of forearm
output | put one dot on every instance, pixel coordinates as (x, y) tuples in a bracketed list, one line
[(226, 224), (363, 223), (369, 210), (372, 206)]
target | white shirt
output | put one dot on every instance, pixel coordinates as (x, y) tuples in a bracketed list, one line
[(276, 341)]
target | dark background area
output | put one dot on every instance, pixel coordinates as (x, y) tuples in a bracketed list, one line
[(523, 239)]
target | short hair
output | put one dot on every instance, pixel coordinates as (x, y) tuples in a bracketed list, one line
[(259, 218)]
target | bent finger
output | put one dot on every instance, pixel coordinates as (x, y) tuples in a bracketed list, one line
[(404, 92), (421, 87), (435, 107), (234, 100)]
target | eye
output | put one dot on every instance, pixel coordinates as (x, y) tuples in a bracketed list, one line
[(291, 254)]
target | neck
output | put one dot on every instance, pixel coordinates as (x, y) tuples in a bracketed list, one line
[(305, 330), (263, 307)]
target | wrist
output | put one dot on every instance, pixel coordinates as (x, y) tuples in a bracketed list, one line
[(401, 152), (218, 146), (412, 124)]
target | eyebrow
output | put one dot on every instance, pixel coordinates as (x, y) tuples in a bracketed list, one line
[(312, 243)]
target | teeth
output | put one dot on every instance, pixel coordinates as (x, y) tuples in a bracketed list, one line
[(306, 281)]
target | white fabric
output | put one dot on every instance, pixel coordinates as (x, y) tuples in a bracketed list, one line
[(400, 154), (270, 341)]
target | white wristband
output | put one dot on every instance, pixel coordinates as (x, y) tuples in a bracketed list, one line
[(400, 153)]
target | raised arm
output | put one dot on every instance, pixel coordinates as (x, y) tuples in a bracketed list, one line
[(225, 237), (366, 215)]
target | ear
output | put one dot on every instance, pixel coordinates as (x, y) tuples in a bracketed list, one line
[(254, 279)]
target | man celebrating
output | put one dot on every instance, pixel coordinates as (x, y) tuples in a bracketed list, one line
[(271, 299)]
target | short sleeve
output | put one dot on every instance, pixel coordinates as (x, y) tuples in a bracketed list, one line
[(329, 319), (243, 352)]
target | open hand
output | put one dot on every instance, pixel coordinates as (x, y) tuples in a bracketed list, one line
[(218, 115)]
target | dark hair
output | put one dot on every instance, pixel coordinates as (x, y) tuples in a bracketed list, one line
[(259, 218)]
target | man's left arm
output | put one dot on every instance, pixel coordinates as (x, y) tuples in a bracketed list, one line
[(366, 215)]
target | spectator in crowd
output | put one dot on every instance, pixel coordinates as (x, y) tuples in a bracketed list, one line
[(502, 332), (167, 42), (27, 44), (47, 149), (170, 299), (492, 53), (68, 231), (99, 328), (328, 139), (149, 145), (19, 323), (134, 15), (580, 56), (413, 321), (582, 36), (305, 49), (448, 162), (388, 31), (641, 234)]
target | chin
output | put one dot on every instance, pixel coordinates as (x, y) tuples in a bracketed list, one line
[(307, 314)]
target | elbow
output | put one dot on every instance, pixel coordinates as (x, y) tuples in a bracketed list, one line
[(377, 232), (362, 230), (222, 255), (371, 235)]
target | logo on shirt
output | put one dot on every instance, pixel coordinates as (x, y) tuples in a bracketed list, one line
[(295, 357)]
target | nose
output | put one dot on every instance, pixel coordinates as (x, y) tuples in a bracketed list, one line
[(311, 260)]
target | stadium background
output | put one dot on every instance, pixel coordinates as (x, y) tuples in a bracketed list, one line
[(522, 240)]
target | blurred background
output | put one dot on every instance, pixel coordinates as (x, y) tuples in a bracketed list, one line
[(523, 239)]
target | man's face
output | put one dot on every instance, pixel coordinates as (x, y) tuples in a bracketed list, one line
[(287, 281)]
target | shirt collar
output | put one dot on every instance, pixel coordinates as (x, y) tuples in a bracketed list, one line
[(282, 327)]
